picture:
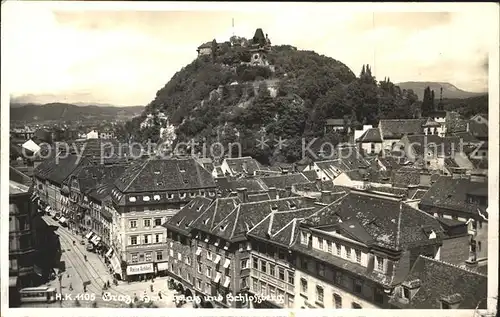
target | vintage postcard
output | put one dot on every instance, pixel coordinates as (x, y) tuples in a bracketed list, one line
[(255, 158)]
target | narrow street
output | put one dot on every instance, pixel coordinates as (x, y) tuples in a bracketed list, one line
[(94, 270)]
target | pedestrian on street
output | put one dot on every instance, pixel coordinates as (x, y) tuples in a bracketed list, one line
[(159, 294), (70, 286), (152, 288), (109, 285)]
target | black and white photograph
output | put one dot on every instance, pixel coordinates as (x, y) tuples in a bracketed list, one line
[(215, 155)]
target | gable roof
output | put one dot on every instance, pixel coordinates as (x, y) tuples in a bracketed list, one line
[(102, 188), (310, 175), (370, 135), (439, 280), (390, 223), (397, 128), (450, 193), (57, 168), (389, 162), (253, 185), (19, 177), (182, 221), (164, 175), (283, 181), (280, 227), (243, 165), (478, 130), (406, 176)]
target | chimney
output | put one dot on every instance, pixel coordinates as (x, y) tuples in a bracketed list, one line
[(326, 197), (362, 170), (273, 194), (425, 179), (478, 178), (242, 194)]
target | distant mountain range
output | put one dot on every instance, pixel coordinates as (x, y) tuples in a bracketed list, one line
[(70, 98), (449, 91), (70, 112)]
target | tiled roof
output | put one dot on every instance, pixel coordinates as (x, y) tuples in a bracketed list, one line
[(258, 197), (395, 129), (478, 130), (405, 176), (17, 188), (390, 223), (240, 164), (253, 185), (19, 177), (479, 163), (109, 151), (229, 222), (57, 169), (164, 175), (466, 136), (419, 194), (206, 45), (332, 168), (370, 175), (310, 175), (284, 181), (280, 227), (182, 221), (390, 190), (439, 280), (450, 162), (108, 175), (389, 162), (370, 135), (451, 193), (431, 123)]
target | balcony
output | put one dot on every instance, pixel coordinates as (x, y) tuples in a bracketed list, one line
[(146, 246)]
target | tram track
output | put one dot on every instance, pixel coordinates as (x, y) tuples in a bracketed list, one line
[(81, 266)]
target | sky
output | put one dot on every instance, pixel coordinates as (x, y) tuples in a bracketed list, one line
[(93, 54)]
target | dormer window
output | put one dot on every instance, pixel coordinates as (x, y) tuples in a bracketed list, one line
[(156, 172), (206, 221), (182, 170), (159, 184), (274, 208), (222, 228), (182, 195), (145, 198), (186, 181), (291, 205), (156, 197), (132, 199), (199, 208), (211, 194), (170, 196), (192, 194)]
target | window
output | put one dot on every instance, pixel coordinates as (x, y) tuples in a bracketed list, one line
[(263, 288), (134, 257), (406, 293), (291, 300), (198, 283), (179, 256), (372, 147), (303, 285), (281, 254), (188, 260), (158, 237), (133, 240), (358, 256), (199, 267), (337, 301), (330, 247), (141, 257), (291, 278), (358, 286), (348, 252), (379, 296), (146, 239), (303, 238), (209, 272), (281, 273), (133, 223), (255, 263), (321, 269), (319, 294), (255, 284), (339, 249), (263, 266), (159, 255), (304, 263), (209, 255), (355, 305), (479, 246), (272, 269), (149, 256), (244, 264), (272, 291), (157, 222), (380, 263), (320, 243), (338, 278)]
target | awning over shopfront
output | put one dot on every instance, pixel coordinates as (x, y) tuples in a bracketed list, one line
[(198, 251), (115, 264), (95, 239), (217, 277), (227, 281), (47, 209), (89, 235), (227, 263), (62, 220), (12, 281), (108, 254), (217, 259)]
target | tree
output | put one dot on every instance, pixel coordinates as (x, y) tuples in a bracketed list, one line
[(427, 102)]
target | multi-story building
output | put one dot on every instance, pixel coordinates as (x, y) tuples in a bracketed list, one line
[(49, 179), (220, 251), (463, 198), (272, 273), (32, 252), (147, 194), (354, 252)]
